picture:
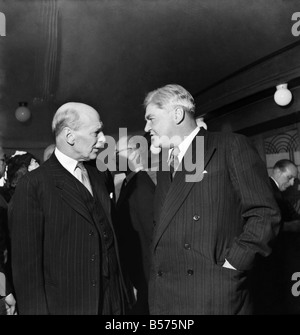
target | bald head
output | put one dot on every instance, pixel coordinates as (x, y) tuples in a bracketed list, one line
[(78, 131), (285, 172), (71, 115)]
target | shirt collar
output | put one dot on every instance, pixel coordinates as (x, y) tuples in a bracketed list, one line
[(66, 161), (184, 145), (275, 182)]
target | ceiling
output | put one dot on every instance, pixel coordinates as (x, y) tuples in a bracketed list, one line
[(110, 53)]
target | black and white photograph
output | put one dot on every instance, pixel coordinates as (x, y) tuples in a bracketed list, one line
[(150, 160)]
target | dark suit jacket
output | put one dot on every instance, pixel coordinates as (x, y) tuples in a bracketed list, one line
[(230, 214), (135, 228), (56, 242)]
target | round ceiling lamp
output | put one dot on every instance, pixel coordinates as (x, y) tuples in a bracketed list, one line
[(22, 113), (283, 95)]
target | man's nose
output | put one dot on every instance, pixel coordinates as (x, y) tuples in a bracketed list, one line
[(101, 137), (147, 127)]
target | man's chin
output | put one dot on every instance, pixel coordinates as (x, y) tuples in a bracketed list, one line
[(155, 149), (93, 155)]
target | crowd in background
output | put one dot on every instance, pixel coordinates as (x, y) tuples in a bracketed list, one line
[(13, 168)]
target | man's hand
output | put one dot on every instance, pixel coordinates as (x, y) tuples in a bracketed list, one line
[(10, 303)]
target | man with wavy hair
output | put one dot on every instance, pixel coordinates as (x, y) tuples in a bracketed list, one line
[(213, 212)]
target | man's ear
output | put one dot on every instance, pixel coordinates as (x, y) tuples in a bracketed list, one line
[(69, 136), (179, 115)]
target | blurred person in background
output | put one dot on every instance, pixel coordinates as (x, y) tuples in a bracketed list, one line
[(7, 300), (272, 279), (48, 151), (134, 224), (18, 165)]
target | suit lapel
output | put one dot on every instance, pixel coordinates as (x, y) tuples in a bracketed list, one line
[(100, 190), (162, 188), (173, 197), (71, 190)]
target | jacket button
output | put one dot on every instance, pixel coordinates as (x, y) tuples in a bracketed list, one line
[(196, 217), (187, 246), (190, 272), (159, 273), (93, 257), (93, 283), (91, 233)]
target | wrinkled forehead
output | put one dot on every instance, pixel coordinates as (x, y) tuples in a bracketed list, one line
[(153, 110), (91, 118)]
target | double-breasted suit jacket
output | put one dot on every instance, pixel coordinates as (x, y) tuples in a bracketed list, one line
[(58, 241), (230, 214)]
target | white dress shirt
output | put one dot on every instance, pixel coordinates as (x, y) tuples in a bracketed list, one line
[(184, 145), (67, 162)]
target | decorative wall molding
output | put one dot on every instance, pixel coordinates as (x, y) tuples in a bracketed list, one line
[(259, 76)]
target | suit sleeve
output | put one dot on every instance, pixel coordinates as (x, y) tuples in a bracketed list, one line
[(260, 212), (27, 248)]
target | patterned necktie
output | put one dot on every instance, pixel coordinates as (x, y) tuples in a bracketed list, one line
[(83, 177), (174, 161)]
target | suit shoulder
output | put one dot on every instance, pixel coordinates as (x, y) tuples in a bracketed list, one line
[(226, 138), (222, 135), (35, 175), (40, 171)]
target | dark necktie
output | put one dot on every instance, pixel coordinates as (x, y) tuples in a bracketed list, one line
[(83, 176)]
